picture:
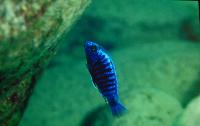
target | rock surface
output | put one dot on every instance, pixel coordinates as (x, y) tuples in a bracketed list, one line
[(29, 34), (146, 107), (171, 66), (71, 98), (159, 41), (190, 116)]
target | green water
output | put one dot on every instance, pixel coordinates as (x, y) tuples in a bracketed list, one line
[(156, 49)]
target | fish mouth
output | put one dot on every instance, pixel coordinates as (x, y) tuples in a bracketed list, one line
[(88, 44)]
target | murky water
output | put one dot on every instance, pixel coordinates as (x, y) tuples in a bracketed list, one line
[(156, 49)]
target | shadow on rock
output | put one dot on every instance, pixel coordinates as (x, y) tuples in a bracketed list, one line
[(193, 92), (95, 115)]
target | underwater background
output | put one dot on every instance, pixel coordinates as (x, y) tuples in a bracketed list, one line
[(156, 49), (155, 46)]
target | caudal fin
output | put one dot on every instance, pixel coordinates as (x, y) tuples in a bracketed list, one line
[(117, 109)]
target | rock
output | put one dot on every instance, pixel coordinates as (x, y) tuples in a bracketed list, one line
[(146, 107), (29, 34), (70, 97), (190, 116), (171, 66)]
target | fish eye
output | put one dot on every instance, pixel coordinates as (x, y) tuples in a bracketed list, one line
[(94, 48)]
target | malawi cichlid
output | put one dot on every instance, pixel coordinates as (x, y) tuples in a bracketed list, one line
[(103, 74)]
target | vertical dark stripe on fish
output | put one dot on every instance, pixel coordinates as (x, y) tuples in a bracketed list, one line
[(101, 66), (106, 76), (107, 87), (104, 60), (102, 71), (109, 93), (106, 81), (102, 57), (107, 90), (109, 74)]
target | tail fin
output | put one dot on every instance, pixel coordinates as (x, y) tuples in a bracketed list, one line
[(117, 108)]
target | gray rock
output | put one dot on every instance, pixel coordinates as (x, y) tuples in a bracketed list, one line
[(190, 116), (146, 107), (29, 34)]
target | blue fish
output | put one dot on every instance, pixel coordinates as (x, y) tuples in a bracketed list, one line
[(103, 74)]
